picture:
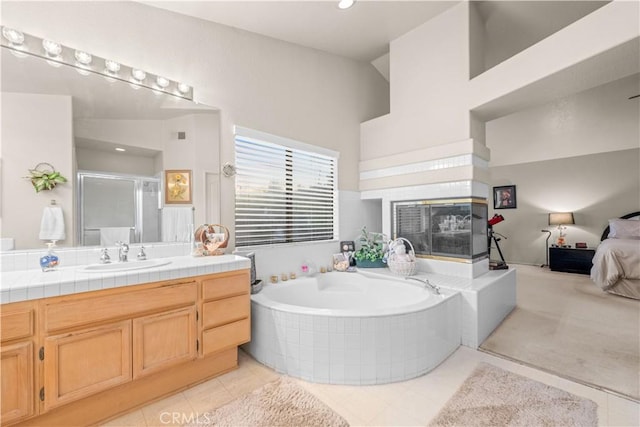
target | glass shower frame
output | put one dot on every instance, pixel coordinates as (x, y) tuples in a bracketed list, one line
[(138, 213)]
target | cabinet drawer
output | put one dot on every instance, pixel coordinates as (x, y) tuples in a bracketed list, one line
[(17, 325), (227, 310), (226, 336), (223, 287), (129, 304)]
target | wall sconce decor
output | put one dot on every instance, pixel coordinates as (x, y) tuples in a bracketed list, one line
[(56, 54), (561, 219), (45, 177)]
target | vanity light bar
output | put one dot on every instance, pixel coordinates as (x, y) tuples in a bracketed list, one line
[(23, 44)]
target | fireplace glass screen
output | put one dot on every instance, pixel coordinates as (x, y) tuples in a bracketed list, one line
[(454, 228)]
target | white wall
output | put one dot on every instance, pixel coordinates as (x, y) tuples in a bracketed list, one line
[(199, 152), (429, 72), (515, 25), (135, 133), (103, 161), (35, 128), (598, 120), (578, 154), (255, 81)]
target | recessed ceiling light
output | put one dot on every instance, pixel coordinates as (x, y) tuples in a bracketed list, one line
[(120, 149), (346, 4)]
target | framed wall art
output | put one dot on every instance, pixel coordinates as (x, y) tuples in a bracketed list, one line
[(177, 187), (504, 197)]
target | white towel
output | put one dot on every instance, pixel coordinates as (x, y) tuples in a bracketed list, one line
[(177, 224), (110, 235), (52, 224)]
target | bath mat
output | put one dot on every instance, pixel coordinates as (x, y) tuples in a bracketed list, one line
[(494, 397), (280, 403)]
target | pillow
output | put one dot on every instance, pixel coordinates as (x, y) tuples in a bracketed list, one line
[(624, 229)]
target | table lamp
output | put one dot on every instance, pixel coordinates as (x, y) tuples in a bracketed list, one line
[(561, 219)]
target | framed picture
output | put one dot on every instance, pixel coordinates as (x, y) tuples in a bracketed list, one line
[(177, 187), (504, 197)]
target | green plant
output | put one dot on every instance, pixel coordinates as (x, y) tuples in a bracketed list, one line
[(45, 177), (372, 246)]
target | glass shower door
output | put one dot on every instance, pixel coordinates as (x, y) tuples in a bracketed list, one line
[(106, 202)]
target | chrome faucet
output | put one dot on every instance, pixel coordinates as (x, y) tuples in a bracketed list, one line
[(104, 256), (123, 251), (141, 255), (427, 284)]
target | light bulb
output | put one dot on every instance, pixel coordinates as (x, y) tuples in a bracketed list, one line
[(112, 66), (183, 88), (162, 82), (138, 75), (83, 58), (15, 37), (52, 48), (345, 4)]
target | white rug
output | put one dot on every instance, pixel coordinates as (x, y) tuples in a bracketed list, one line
[(494, 397), (280, 403)]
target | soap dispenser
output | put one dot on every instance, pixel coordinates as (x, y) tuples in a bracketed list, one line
[(50, 260)]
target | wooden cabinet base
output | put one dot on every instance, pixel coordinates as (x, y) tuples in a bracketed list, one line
[(119, 400)]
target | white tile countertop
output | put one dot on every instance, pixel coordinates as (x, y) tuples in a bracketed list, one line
[(22, 285)]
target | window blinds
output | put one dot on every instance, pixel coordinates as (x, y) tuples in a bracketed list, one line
[(283, 194)]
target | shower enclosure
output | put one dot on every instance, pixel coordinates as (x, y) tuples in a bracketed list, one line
[(114, 201)]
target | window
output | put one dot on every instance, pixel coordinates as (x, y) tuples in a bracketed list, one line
[(285, 190)]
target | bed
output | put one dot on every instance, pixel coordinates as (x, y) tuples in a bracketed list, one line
[(616, 264)]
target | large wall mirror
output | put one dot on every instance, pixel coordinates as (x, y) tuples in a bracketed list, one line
[(113, 142)]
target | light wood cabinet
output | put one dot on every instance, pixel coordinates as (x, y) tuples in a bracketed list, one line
[(163, 340), (18, 392), (226, 312), (78, 364), (17, 382), (80, 359)]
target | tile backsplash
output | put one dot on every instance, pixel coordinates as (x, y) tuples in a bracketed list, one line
[(69, 257)]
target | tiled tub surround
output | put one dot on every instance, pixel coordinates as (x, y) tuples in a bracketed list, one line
[(21, 285), (392, 334)]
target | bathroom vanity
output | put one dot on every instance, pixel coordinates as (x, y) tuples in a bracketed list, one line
[(82, 358)]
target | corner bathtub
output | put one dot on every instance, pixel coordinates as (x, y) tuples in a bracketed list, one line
[(353, 328)]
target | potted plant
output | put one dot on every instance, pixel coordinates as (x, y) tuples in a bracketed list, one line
[(45, 177), (372, 249)]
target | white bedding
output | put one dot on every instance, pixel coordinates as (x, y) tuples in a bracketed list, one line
[(616, 259)]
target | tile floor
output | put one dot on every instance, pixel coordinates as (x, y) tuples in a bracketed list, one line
[(408, 403)]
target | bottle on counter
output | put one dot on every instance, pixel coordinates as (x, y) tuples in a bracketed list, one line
[(49, 261)]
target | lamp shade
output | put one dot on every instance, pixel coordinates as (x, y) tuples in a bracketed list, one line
[(561, 218)]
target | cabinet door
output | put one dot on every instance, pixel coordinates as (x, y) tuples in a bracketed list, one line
[(17, 382), (81, 363), (163, 340)]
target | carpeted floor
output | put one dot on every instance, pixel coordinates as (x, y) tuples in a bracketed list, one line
[(494, 397), (280, 403), (564, 324)]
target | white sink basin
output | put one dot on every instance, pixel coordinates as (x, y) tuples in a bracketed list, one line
[(124, 266)]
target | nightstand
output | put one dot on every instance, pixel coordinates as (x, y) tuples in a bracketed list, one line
[(571, 260)]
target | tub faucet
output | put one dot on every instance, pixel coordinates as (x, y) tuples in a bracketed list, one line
[(427, 284), (123, 251)]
